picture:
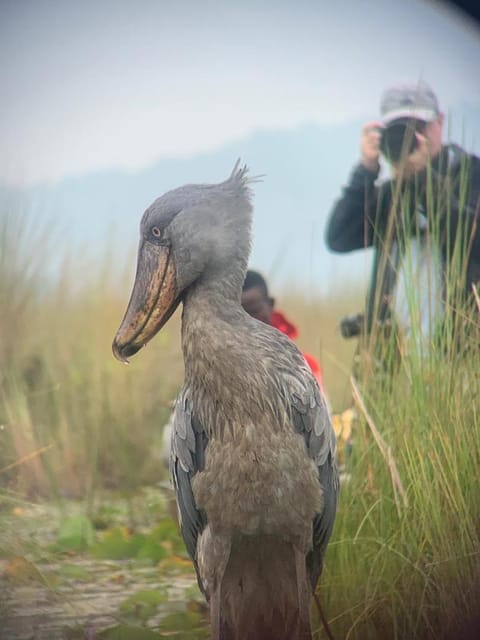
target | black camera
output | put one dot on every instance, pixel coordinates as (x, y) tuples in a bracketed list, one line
[(398, 138), (352, 326)]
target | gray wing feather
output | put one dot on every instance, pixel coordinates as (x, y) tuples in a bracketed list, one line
[(187, 457), (311, 419)]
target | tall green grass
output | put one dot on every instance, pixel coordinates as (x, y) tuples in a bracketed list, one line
[(408, 566), (72, 418), (405, 558)]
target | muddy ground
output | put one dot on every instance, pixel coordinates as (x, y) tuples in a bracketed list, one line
[(47, 594)]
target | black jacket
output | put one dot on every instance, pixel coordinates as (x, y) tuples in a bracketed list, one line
[(449, 197)]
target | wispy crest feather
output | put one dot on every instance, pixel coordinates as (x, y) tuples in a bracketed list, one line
[(239, 178)]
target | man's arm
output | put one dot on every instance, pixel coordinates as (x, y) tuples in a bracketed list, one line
[(350, 223), (349, 226), (462, 206)]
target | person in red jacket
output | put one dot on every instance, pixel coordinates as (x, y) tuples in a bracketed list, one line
[(257, 302)]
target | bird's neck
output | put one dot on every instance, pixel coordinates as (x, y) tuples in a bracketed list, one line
[(211, 313), (227, 359), (215, 336)]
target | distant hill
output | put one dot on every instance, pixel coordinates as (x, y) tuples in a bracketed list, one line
[(304, 170)]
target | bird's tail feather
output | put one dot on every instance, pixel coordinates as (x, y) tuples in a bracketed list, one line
[(259, 593)]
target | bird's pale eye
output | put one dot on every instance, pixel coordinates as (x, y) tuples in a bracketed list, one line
[(156, 235)]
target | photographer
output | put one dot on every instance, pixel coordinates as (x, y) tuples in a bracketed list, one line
[(423, 222)]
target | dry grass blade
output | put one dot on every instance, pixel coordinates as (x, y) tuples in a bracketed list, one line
[(477, 296), (26, 458), (384, 448)]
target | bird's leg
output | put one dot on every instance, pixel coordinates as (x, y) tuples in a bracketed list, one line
[(215, 613), (304, 626), (213, 552), (218, 629)]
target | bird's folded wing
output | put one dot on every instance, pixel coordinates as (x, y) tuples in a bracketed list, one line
[(311, 419), (187, 457)]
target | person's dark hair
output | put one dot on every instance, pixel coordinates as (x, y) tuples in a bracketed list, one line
[(255, 279)]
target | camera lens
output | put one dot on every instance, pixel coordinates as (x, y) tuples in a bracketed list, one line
[(399, 139), (351, 326)]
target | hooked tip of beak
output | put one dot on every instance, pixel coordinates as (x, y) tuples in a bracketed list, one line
[(122, 353), (118, 354)]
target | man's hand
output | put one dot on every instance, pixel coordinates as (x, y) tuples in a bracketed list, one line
[(370, 146), (414, 163)]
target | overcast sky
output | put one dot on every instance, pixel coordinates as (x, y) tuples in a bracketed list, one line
[(116, 83)]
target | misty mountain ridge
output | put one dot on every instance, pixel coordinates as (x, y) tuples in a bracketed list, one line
[(303, 168)]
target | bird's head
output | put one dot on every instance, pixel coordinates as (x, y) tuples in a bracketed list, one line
[(195, 231)]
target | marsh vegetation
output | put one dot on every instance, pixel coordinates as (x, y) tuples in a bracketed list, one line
[(85, 511)]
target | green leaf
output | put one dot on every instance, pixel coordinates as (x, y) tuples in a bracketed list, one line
[(117, 544), (185, 626), (168, 531), (74, 571), (152, 551), (105, 516), (76, 534), (143, 605), (125, 632)]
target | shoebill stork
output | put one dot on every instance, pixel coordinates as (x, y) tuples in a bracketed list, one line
[(253, 449)]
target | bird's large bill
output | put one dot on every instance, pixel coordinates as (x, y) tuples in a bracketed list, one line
[(152, 301)]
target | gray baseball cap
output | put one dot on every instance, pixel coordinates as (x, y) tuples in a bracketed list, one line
[(414, 100)]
